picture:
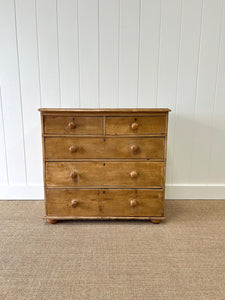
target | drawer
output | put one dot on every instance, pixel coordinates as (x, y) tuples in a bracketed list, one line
[(136, 125), (73, 125), (97, 174), (104, 202), (82, 147)]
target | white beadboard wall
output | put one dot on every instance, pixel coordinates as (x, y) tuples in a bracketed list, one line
[(115, 53)]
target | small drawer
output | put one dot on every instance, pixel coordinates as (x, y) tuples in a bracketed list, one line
[(108, 147), (104, 202), (98, 174), (136, 125), (73, 125)]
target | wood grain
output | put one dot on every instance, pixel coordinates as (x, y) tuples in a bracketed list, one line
[(83, 147), (104, 163), (83, 125), (102, 218), (104, 110), (146, 125), (105, 202), (114, 174)]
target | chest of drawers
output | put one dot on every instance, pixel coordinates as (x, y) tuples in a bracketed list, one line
[(104, 163)]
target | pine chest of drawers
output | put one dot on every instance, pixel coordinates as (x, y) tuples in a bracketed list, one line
[(104, 163)]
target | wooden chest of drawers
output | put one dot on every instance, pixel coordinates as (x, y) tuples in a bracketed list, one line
[(104, 163)]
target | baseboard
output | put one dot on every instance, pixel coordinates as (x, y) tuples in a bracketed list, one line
[(21, 192), (173, 191), (195, 191)]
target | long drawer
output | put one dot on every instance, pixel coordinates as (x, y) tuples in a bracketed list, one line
[(112, 174), (83, 147), (104, 202)]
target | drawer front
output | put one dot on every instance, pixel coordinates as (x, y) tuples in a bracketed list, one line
[(97, 174), (73, 125), (104, 202), (81, 147), (136, 125)]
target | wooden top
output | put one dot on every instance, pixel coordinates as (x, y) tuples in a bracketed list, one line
[(103, 110)]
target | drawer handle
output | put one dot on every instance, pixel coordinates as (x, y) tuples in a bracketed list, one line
[(73, 149), (73, 175), (133, 174), (133, 203), (74, 203), (134, 126), (72, 125), (134, 148)]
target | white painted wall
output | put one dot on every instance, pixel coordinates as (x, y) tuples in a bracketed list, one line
[(115, 53)]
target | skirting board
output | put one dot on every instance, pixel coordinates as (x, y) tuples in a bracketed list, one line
[(173, 191)]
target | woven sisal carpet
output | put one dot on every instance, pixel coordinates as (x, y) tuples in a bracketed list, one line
[(181, 258)]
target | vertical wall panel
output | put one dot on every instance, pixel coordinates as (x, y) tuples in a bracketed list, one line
[(68, 53), (168, 68), (149, 52), (3, 157), (10, 88), (129, 52), (48, 52), (115, 53), (30, 93), (217, 159), (88, 11), (186, 90), (206, 85), (108, 52)]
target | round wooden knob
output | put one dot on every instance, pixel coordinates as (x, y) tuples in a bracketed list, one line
[(134, 126), (133, 174), (133, 202), (73, 149), (134, 148), (74, 202), (72, 125), (73, 174)]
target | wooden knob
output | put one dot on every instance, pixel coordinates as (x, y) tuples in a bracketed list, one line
[(73, 149), (134, 148), (72, 125), (133, 174), (133, 202), (73, 174), (74, 202), (134, 126)]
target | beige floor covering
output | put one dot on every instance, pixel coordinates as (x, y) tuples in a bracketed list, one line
[(181, 258)]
